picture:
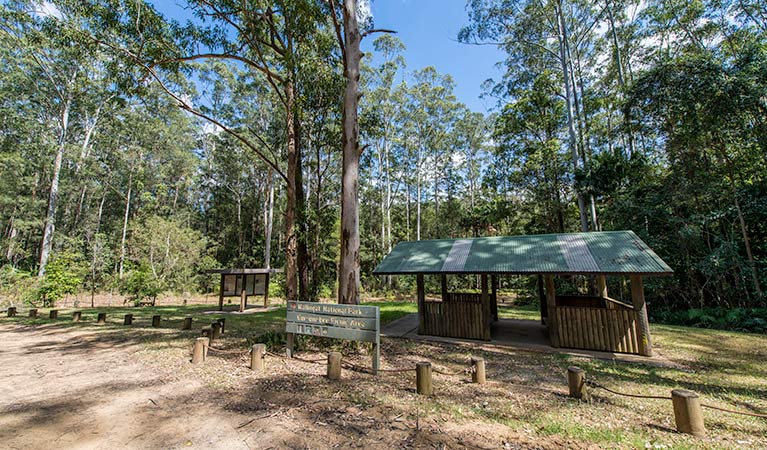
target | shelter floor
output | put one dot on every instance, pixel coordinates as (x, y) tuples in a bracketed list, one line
[(517, 333)]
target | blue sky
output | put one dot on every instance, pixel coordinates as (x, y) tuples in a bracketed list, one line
[(429, 29)]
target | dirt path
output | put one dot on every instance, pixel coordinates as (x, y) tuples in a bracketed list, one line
[(88, 388)]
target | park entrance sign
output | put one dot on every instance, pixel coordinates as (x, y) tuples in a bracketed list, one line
[(351, 322)]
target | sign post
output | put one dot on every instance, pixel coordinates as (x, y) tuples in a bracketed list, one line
[(351, 322)]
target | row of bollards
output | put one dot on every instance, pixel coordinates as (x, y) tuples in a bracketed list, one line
[(102, 318), (688, 414)]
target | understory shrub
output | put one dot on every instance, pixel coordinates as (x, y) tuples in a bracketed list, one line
[(753, 320)]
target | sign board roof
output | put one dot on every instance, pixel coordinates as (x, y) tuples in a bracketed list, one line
[(606, 252)]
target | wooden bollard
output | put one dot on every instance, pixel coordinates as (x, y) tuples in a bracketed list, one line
[(102, 318), (54, 314), (687, 412), (257, 353), (11, 311), (478, 370), (576, 381), (215, 330), (423, 382), (199, 353), (33, 312), (128, 319), (187, 324), (222, 321), (334, 365), (206, 332), (156, 320), (76, 316)]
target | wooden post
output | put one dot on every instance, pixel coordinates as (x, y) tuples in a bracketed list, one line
[(423, 384), (421, 296), (257, 353), (221, 294), (206, 332), (687, 412), (551, 304), (602, 290), (187, 323), (478, 370), (486, 319), (243, 299), (640, 311), (222, 321), (494, 296), (198, 353), (445, 295), (102, 318), (128, 320), (215, 330), (33, 312), (334, 366), (542, 300), (291, 339), (156, 320), (11, 311), (76, 316), (54, 314), (266, 290), (576, 381)]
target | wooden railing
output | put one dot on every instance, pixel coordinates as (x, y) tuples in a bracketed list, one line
[(461, 319), (604, 329), (463, 297)]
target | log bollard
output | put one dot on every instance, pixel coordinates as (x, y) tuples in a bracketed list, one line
[(187, 324), (156, 320), (11, 311), (76, 316), (478, 372), (206, 332), (334, 365), (222, 321), (33, 312), (128, 319), (576, 381), (102, 318), (215, 330), (199, 353), (423, 378), (687, 412), (54, 314), (257, 353)]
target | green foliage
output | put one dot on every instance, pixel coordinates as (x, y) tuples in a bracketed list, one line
[(17, 286), (64, 276), (752, 320), (140, 285)]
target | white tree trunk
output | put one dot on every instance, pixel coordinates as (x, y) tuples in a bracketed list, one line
[(125, 225)]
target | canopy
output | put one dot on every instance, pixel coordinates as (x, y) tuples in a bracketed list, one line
[(605, 252)]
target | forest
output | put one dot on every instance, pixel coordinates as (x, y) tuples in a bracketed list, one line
[(137, 150)]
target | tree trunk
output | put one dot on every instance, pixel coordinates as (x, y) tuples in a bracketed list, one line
[(268, 221), (349, 269), (125, 224), (418, 200), (572, 140), (53, 195), (291, 244)]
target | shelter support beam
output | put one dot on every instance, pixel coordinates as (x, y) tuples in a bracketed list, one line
[(445, 294), (494, 296), (542, 300), (640, 311), (486, 313), (421, 296), (551, 304), (602, 290), (221, 294)]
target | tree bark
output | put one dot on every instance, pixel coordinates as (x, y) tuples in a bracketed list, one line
[(53, 195), (291, 244), (349, 268), (572, 140), (268, 221), (125, 224)]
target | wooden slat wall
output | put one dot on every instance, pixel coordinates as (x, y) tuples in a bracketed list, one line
[(454, 319), (611, 330), (463, 297)]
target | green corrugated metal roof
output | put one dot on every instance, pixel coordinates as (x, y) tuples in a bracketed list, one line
[(606, 252)]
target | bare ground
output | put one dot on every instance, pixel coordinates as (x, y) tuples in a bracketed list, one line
[(90, 388)]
